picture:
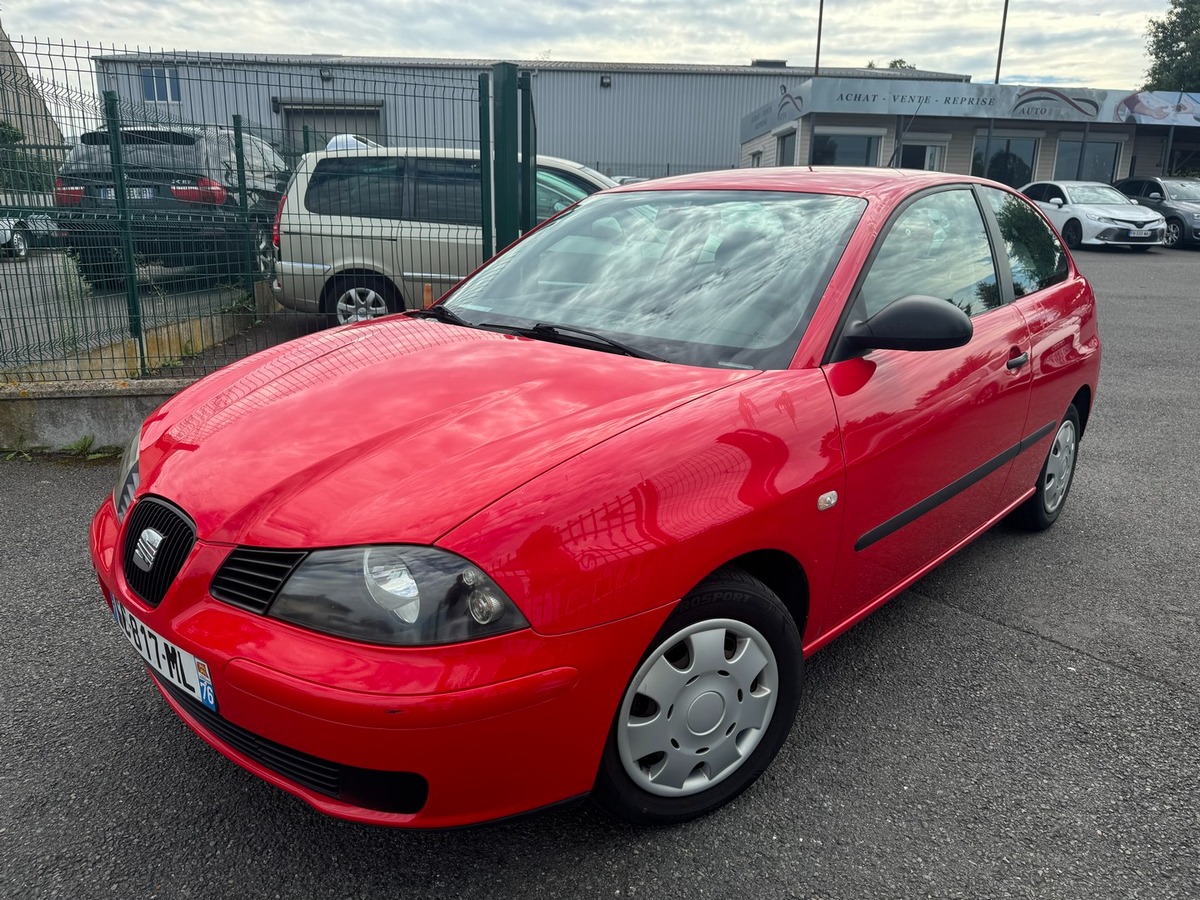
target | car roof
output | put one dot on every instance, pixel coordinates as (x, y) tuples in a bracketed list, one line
[(850, 181), (432, 152)]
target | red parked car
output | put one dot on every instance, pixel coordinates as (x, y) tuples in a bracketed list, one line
[(574, 529)]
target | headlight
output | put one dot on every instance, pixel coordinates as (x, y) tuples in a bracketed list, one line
[(395, 594), (1105, 219), (127, 478), (1196, 217)]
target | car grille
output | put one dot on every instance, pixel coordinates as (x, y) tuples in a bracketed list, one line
[(178, 537), (250, 578), (396, 792)]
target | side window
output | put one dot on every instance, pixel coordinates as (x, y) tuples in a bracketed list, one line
[(1036, 192), (1034, 253), (1133, 188), (449, 191), (1054, 192), (554, 194), (937, 247), (360, 186), (1153, 187)]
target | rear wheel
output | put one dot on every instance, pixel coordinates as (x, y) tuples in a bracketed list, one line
[(1041, 510), (101, 265), (709, 706), (357, 298), (1072, 234)]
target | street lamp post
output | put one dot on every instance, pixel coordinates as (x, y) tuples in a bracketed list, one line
[(987, 146)]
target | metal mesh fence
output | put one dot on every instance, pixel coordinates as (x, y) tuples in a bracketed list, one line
[(169, 212)]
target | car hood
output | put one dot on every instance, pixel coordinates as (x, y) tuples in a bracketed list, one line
[(1188, 206), (1126, 212), (392, 431)]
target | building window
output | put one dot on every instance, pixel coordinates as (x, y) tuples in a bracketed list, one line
[(834, 147), (785, 149), (1099, 160), (1012, 162), (756, 159), (160, 84)]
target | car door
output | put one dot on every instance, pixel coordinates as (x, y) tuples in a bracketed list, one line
[(928, 437), (442, 242), (1059, 314)]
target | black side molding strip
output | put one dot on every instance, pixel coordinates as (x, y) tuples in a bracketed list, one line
[(879, 532)]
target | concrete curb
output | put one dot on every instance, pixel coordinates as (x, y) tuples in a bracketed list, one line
[(54, 415)]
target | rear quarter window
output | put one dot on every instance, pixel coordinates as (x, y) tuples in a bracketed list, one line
[(357, 186)]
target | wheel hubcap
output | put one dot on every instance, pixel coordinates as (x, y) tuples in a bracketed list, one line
[(1172, 236), (360, 304), (697, 707), (1060, 464)]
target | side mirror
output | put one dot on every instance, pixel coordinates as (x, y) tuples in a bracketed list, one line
[(1056, 202), (915, 322), (1155, 196), (1132, 200)]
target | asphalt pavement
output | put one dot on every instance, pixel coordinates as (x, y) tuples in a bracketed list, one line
[(1024, 722)]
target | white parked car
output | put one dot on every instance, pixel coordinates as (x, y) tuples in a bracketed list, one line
[(1094, 214)]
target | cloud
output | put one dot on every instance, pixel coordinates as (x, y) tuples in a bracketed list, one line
[(1066, 42)]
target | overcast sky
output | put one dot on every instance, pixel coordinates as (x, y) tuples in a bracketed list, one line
[(1091, 43)]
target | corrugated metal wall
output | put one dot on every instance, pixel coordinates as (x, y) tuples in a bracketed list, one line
[(643, 123)]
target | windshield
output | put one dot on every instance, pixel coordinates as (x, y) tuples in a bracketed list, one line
[(1096, 193), (710, 278), (1182, 190)]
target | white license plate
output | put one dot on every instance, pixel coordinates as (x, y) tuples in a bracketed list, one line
[(177, 666), (134, 193), (1139, 232)]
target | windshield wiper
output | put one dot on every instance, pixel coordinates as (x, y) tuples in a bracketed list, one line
[(547, 329), (441, 313)]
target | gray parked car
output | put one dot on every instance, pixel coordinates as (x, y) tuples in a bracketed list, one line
[(1178, 199)]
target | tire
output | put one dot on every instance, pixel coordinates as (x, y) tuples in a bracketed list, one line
[(1042, 510), (728, 656), (18, 245), (1072, 234), (100, 266), (357, 298), (1174, 235)]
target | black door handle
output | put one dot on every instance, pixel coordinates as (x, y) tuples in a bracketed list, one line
[(1017, 361)]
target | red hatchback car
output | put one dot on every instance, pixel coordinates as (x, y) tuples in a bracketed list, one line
[(574, 529)]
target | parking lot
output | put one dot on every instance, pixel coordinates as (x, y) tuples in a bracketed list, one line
[(1023, 722)]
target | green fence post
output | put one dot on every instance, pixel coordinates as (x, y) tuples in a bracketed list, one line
[(112, 120), (528, 154), (507, 191), (246, 251), (485, 168)]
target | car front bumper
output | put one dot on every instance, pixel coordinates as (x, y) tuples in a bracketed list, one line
[(1104, 235), (425, 737)]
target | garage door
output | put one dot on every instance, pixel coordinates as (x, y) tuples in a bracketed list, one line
[(325, 121)]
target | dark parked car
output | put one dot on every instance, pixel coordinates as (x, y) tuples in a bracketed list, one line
[(181, 184), (1178, 199)]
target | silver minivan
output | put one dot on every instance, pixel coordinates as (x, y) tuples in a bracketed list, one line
[(367, 231)]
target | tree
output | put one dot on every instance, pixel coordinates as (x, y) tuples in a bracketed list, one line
[(1173, 43), (898, 63)]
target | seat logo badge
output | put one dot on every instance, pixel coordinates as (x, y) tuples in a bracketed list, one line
[(827, 501), (146, 549)]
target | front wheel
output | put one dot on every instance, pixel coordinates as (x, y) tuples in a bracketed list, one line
[(1072, 234), (708, 708), (1174, 235), (18, 245), (1041, 510)]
